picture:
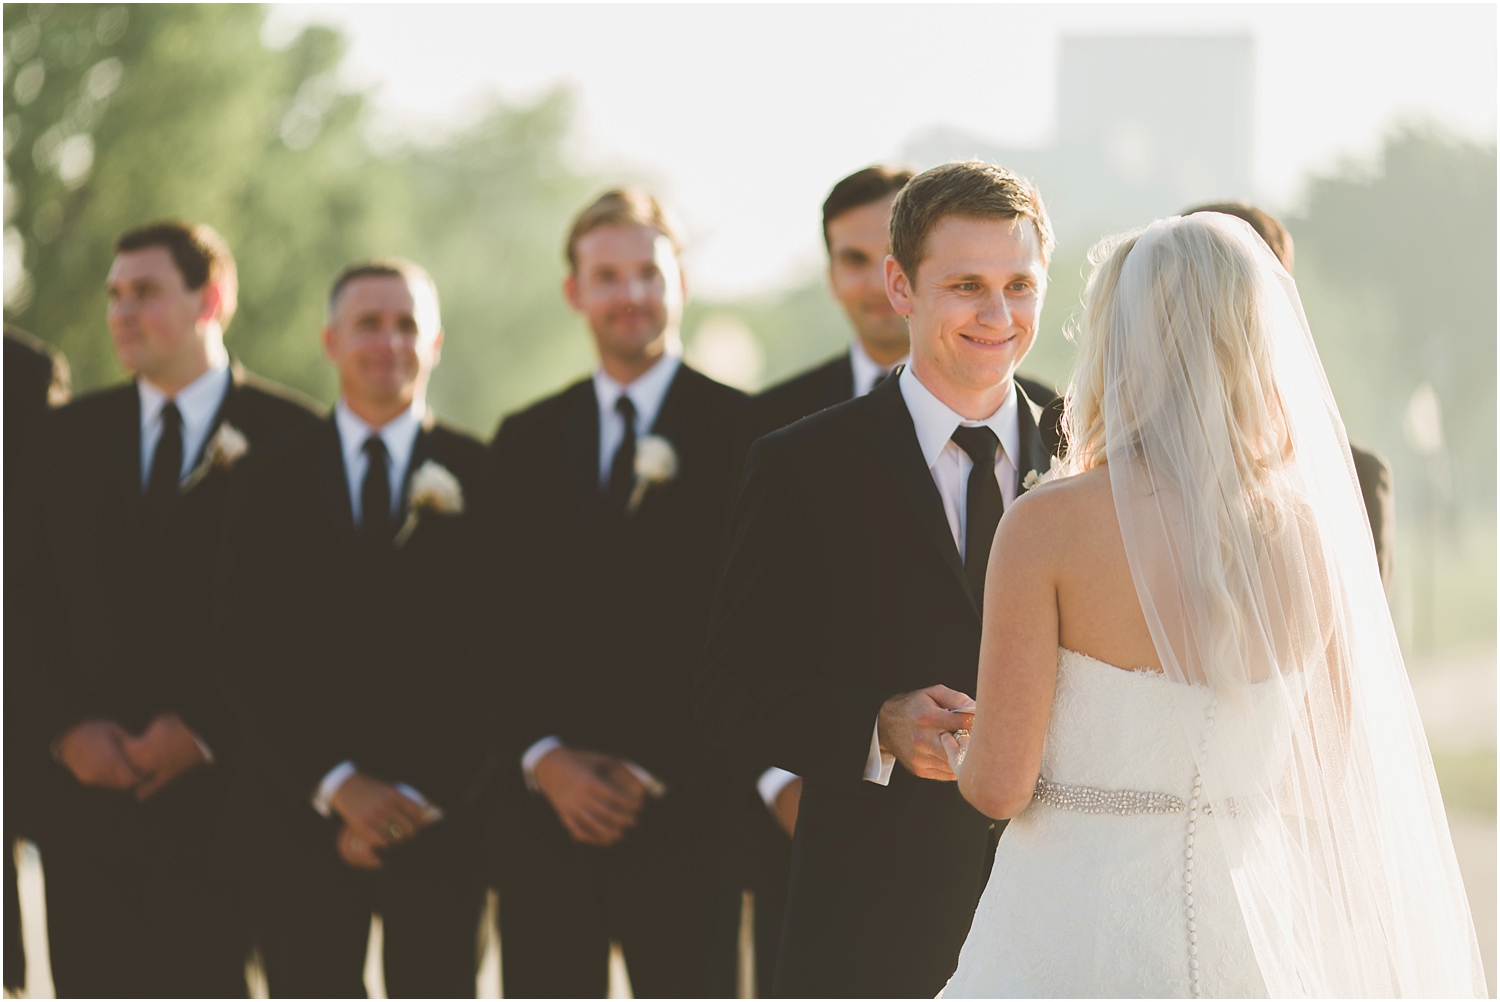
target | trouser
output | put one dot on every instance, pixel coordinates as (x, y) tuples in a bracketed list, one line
[(315, 913), (561, 902), (759, 860), (138, 903), (15, 951)]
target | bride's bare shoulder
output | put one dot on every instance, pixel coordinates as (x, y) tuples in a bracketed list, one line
[(1054, 516)]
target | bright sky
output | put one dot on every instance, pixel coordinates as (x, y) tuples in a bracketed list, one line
[(744, 116)]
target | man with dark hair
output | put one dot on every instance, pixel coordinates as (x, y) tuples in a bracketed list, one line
[(126, 509), (611, 502), (36, 380), (1376, 484), (845, 632), (348, 617)]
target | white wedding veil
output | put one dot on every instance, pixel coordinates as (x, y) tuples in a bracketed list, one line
[(1199, 385)]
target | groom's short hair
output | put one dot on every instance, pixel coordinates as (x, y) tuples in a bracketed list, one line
[(870, 184), (1262, 222), (622, 207), (973, 189)]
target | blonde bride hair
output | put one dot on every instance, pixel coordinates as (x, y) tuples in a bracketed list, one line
[(1197, 325)]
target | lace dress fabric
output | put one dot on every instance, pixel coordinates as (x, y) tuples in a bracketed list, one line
[(1088, 904)]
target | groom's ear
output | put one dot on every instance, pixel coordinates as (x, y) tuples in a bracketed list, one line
[(897, 286)]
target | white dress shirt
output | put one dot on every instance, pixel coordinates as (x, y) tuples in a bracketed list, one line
[(867, 371), (400, 437), (646, 393), (198, 402), (935, 422)]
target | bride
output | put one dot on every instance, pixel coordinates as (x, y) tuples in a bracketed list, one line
[(1191, 700)]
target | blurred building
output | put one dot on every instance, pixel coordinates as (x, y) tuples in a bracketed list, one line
[(1146, 125)]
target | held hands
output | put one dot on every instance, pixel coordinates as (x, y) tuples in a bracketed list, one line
[(912, 727), (102, 753), (595, 796), (376, 816)]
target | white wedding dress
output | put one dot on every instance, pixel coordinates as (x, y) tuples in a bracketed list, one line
[(1111, 884)]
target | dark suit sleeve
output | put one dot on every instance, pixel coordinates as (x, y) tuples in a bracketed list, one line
[(262, 664), (522, 566), (763, 696), (1375, 486)]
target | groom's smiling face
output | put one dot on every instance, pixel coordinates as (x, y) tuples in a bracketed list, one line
[(974, 302)]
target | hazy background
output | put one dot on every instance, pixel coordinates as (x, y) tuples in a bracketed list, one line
[(465, 137)]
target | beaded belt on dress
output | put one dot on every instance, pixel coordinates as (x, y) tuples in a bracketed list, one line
[(1093, 800)]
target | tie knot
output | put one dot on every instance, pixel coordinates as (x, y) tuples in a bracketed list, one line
[(625, 409), (374, 449), (171, 417), (980, 443)]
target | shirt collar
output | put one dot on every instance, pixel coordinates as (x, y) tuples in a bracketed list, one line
[(935, 420), (197, 402), (866, 370), (399, 433), (647, 391)]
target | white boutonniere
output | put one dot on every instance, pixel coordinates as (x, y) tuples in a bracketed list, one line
[(227, 447), (1035, 479), (655, 463), (433, 489)]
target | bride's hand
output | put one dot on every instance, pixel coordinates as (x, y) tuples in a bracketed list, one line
[(912, 725), (956, 745)]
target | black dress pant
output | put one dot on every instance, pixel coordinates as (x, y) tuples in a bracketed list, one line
[(315, 913), (561, 902), (758, 860), (138, 905)]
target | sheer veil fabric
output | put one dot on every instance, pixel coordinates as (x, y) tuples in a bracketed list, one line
[(1252, 557)]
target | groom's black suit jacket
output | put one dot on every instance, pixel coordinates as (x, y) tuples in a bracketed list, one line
[(843, 588), (332, 653)]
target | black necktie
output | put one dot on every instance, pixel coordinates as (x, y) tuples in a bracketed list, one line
[(375, 495), (985, 504), (166, 469), (622, 469)]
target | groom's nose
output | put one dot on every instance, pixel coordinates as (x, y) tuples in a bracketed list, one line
[(995, 310)]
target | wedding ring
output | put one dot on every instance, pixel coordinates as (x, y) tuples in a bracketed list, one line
[(394, 831), (962, 732)]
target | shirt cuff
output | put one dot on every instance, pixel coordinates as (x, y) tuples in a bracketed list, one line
[(771, 783), (535, 754), (432, 812), (322, 800), (878, 764), (655, 788), (208, 753)]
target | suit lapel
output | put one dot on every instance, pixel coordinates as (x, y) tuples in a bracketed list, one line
[(124, 462), (581, 447), (335, 485), (840, 384), (236, 377), (421, 452), (895, 440), (1034, 454)]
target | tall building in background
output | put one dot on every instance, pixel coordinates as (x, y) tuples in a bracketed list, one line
[(1145, 126)]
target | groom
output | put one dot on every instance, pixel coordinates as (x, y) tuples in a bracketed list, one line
[(845, 635)]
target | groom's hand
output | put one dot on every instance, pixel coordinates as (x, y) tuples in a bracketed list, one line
[(595, 796), (911, 726)]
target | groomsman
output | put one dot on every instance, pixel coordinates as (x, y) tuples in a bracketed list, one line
[(845, 633), (36, 380), (348, 619), (126, 509), (612, 501), (1374, 472)]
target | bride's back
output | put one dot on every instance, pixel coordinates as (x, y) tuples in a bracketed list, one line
[(1099, 613)]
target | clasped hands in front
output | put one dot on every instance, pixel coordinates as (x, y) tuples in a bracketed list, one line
[(102, 753), (596, 796), (376, 816), (919, 729)]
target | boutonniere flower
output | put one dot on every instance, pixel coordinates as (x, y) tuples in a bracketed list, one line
[(227, 447), (655, 463), (433, 489), (1035, 479)]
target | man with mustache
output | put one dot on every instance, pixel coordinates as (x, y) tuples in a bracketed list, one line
[(126, 511), (611, 501)]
